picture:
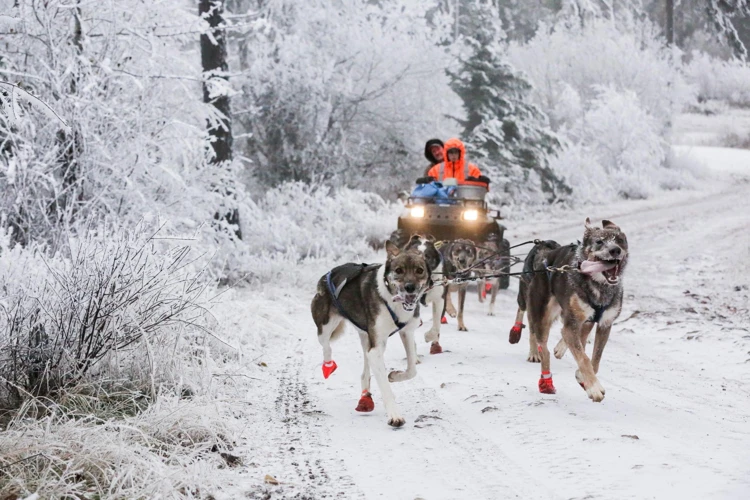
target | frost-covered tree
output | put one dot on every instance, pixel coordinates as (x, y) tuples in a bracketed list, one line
[(722, 12), (502, 125), (216, 92), (341, 93), (126, 77)]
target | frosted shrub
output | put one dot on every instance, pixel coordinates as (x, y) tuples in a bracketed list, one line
[(65, 317), (631, 57), (611, 107), (715, 79), (297, 223), (625, 139)]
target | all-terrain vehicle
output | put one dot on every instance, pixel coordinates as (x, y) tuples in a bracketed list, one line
[(464, 215)]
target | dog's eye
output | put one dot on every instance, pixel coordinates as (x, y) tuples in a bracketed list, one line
[(398, 270), (599, 243), (619, 241), (420, 270)]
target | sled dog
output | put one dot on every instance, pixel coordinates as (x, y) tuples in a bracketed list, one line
[(590, 295), (426, 246), (492, 262), (458, 256), (379, 300)]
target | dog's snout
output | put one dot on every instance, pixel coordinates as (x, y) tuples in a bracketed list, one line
[(410, 287), (615, 252)]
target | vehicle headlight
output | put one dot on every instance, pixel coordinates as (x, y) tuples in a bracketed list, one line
[(471, 215), (417, 212)]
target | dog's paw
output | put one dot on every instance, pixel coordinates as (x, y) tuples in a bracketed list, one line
[(432, 335), (435, 348), (595, 392), (396, 420), (419, 359), (365, 404), (534, 357), (560, 349), (515, 333), (462, 328), (400, 376), (451, 311)]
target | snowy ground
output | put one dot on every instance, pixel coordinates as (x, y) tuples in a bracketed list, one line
[(674, 423)]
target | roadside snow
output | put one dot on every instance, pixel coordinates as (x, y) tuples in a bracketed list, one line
[(674, 423)]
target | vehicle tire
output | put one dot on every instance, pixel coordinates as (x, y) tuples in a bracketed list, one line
[(505, 253)]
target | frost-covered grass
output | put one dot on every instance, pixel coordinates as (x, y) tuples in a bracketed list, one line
[(173, 449)]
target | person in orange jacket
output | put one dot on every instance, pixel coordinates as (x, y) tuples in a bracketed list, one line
[(456, 166)]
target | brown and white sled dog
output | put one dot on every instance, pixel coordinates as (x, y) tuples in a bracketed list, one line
[(458, 256), (435, 295), (591, 296), (379, 300)]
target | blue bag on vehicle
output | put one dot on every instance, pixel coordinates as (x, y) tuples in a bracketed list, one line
[(433, 189)]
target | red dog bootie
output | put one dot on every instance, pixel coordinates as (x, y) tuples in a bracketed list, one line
[(515, 332), (545, 384), (365, 402), (328, 368), (487, 289), (435, 348), (443, 320)]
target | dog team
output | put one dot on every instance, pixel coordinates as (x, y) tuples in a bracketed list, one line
[(580, 284)]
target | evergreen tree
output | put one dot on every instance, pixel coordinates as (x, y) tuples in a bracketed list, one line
[(722, 12), (508, 133)]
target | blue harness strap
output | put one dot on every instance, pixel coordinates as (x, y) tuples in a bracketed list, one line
[(335, 291), (396, 322)]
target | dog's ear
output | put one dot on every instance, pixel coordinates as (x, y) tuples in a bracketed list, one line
[(391, 249), (608, 224), (588, 225), (430, 238)]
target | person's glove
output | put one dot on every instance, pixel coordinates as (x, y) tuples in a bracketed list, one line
[(482, 178), (425, 180)]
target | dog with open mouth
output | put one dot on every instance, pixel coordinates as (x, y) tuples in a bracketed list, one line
[(380, 300), (589, 295)]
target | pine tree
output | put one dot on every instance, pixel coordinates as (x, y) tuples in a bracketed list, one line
[(721, 12), (502, 127)]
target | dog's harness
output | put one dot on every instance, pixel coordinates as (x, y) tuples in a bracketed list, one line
[(598, 309), (335, 291)]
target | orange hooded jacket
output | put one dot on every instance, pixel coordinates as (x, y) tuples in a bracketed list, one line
[(456, 169)]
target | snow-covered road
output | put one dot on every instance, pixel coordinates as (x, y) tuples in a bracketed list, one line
[(675, 422)]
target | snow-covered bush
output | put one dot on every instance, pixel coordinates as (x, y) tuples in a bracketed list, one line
[(106, 304), (569, 63), (298, 223), (611, 106), (720, 80)]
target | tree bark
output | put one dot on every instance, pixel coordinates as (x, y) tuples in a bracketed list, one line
[(64, 204), (214, 62), (670, 22)]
